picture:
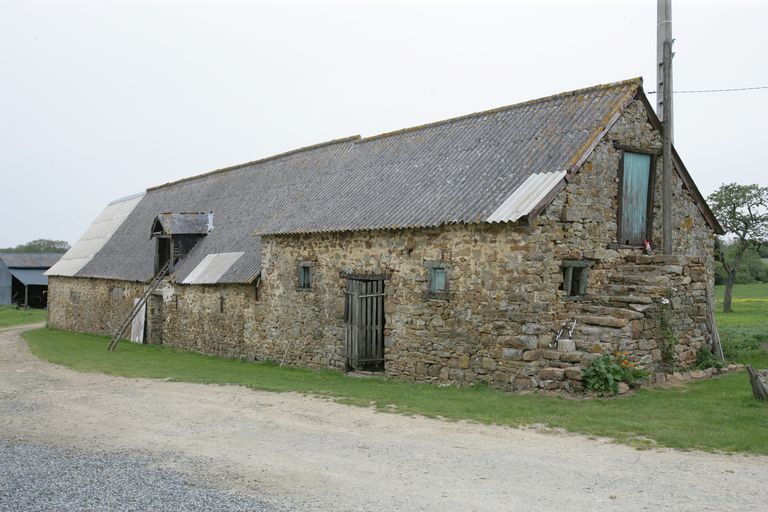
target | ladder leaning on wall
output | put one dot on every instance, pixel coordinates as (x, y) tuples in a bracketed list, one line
[(137, 307)]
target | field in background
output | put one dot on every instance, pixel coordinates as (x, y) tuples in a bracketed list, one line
[(744, 332), (10, 316)]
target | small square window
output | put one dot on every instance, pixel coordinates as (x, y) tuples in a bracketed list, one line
[(305, 276), (575, 278), (439, 280)]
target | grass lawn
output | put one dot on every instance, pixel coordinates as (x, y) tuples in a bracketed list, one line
[(10, 316), (719, 414)]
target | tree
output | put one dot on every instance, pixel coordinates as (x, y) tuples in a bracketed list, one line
[(743, 212), (40, 245), (753, 268)]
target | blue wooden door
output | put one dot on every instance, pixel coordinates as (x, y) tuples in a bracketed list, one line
[(634, 207)]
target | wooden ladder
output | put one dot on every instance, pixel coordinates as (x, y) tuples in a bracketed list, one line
[(137, 307)]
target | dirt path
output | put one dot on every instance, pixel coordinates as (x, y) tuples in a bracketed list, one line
[(317, 455)]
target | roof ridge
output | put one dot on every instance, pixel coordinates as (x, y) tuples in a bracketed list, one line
[(125, 198), (351, 138), (638, 81)]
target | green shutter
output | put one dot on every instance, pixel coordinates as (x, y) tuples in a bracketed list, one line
[(438, 280), (634, 206)]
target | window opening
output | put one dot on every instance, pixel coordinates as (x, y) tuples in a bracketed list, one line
[(439, 280), (575, 278), (305, 276)]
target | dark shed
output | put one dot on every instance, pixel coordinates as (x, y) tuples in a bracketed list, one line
[(23, 280)]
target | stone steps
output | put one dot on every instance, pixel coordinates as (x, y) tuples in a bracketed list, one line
[(625, 299), (604, 321), (636, 289), (622, 313), (640, 279)]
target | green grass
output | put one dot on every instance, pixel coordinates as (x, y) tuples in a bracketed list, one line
[(10, 316), (744, 331), (718, 414)]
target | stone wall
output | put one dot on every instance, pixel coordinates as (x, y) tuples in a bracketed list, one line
[(95, 306), (211, 319)]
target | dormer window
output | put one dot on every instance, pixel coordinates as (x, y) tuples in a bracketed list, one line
[(177, 234)]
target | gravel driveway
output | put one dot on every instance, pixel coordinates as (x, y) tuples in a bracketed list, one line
[(230, 448)]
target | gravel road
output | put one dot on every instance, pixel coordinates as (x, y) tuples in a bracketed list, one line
[(37, 478), (224, 447)]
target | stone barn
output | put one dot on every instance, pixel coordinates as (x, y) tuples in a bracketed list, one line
[(451, 252)]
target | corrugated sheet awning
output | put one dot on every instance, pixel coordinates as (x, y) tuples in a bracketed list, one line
[(30, 276)]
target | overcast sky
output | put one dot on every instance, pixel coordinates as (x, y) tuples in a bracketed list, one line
[(102, 99)]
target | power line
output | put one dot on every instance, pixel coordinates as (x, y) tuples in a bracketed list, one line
[(716, 90)]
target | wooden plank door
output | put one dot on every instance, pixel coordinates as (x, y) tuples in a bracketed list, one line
[(634, 205), (364, 324)]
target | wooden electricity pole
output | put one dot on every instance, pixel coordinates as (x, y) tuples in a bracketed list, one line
[(664, 109)]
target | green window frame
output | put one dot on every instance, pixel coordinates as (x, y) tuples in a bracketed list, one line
[(438, 282), (305, 276)]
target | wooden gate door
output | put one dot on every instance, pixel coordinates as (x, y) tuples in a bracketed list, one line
[(364, 324)]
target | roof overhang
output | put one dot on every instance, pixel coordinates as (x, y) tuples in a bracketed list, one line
[(30, 276), (169, 224)]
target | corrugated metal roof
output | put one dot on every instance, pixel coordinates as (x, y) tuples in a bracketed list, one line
[(96, 236), (30, 259), (525, 198), (30, 276), (212, 268), (465, 169)]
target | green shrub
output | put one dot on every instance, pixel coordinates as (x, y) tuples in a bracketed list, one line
[(631, 374), (706, 359), (604, 373)]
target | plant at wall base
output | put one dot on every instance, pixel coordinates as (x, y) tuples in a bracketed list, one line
[(706, 359), (604, 373), (668, 340), (629, 372)]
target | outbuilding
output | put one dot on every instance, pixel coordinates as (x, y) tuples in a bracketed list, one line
[(23, 280)]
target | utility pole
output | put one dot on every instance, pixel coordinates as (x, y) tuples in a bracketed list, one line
[(663, 33), (664, 110)]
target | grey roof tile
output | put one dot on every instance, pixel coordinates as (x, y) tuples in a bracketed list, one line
[(29, 259)]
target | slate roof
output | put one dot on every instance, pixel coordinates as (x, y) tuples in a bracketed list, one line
[(492, 166), (29, 259), (184, 223)]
